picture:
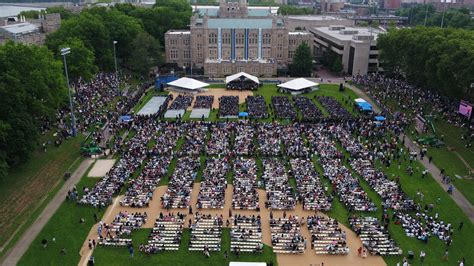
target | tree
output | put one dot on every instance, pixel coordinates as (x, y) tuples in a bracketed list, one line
[(90, 29), (31, 88), (145, 53), (80, 61), (302, 62), (65, 13)]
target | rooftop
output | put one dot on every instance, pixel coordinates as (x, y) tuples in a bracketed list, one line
[(361, 31), (239, 23), (177, 32), (20, 28), (316, 17)]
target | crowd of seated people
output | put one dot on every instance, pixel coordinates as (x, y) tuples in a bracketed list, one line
[(166, 139), (244, 135), (132, 158), (375, 237), (246, 234), (256, 107), (343, 182), (245, 195), (409, 98), (283, 108), (228, 106), (181, 102), (204, 101), (278, 190), (286, 235), (165, 235), (178, 194), (219, 141), (292, 138), (118, 233), (335, 109), (423, 225), (242, 85), (310, 191), (361, 161), (195, 134), (213, 185), (140, 190), (326, 236), (269, 142), (206, 233), (309, 111)]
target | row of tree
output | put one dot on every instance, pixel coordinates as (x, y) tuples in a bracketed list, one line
[(32, 88), (436, 58), (294, 10), (426, 15)]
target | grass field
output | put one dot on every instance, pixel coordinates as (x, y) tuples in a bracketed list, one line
[(120, 256), (30, 187), (68, 231)]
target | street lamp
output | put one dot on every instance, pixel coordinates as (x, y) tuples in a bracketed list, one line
[(115, 58), (64, 52)]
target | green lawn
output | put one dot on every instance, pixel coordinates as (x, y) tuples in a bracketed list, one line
[(120, 256), (68, 231), (30, 186)]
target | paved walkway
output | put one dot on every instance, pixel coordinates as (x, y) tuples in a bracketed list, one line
[(14, 255), (459, 198), (306, 259)]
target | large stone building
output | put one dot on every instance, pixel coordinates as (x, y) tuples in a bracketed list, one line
[(357, 47), (30, 32), (232, 39)]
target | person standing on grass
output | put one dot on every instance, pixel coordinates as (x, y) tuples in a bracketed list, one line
[(130, 250), (446, 255), (461, 224), (422, 256)]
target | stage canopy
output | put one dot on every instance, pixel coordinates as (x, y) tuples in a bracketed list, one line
[(239, 75), (298, 84), (188, 84)]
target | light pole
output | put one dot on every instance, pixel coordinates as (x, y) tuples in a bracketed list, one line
[(64, 52), (115, 59)]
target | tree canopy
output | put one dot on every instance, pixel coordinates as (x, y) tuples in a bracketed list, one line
[(431, 57), (453, 17), (294, 10), (31, 88), (302, 62)]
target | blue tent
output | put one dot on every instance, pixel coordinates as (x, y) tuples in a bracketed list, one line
[(379, 118), (366, 108), (125, 118), (243, 114)]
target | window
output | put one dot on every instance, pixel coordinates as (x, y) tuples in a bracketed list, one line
[(187, 54), (254, 70), (266, 38), (199, 50), (174, 54), (212, 53), (292, 41), (279, 55), (239, 39), (280, 47), (173, 41), (186, 41), (240, 69), (212, 70), (291, 54), (226, 69), (212, 38), (268, 70), (253, 38), (226, 38)]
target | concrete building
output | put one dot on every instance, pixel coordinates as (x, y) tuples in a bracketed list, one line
[(314, 21), (234, 38), (30, 32), (357, 47)]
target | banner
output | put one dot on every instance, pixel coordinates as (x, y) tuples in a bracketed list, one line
[(420, 124), (465, 109)]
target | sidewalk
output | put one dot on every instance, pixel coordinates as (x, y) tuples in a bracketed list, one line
[(15, 254)]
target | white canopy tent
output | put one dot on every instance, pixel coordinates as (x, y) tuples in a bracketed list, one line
[(360, 100), (187, 85), (234, 263), (239, 75), (299, 85)]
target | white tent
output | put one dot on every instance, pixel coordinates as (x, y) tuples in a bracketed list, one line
[(234, 263), (240, 74), (188, 84), (298, 85), (360, 100)]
